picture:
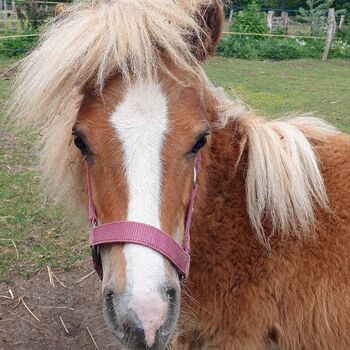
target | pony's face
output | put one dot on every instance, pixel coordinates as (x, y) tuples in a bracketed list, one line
[(140, 143)]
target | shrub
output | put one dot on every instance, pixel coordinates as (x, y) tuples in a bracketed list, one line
[(279, 31), (17, 46), (340, 49), (237, 47), (34, 14), (344, 34), (250, 48), (312, 48), (251, 20), (279, 49)]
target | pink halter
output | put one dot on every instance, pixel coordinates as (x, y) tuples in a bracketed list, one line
[(140, 233)]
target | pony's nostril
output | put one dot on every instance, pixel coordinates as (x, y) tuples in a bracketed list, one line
[(109, 297), (128, 326), (170, 293), (109, 305)]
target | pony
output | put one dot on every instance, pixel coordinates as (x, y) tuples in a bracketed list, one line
[(118, 85)]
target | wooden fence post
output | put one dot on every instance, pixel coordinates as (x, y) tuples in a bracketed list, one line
[(14, 16), (1, 16), (270, 19), (231, 15), (342, 19), (331, 28), (284, 18), (5, 16)]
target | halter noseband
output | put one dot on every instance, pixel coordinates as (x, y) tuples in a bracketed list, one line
[(143, 234)]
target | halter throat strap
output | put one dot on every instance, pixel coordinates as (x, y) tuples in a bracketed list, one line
[(143, 234)]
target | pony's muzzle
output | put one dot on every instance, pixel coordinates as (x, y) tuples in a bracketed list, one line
[(143, 321)]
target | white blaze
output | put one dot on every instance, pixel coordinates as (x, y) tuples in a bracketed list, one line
[(141, 122)]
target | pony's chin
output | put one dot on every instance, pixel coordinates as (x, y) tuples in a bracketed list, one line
[(127, 337), (123, 342)]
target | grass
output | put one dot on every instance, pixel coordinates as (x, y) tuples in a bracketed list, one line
[(276, 88), (37, 228), (27, 221)]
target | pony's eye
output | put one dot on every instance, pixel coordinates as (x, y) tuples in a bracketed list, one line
[(80, 143), (199, 144)]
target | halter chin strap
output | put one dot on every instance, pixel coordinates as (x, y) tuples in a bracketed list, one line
[(143, 234)]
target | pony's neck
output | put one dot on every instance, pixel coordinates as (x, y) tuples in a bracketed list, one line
[(265, 173)]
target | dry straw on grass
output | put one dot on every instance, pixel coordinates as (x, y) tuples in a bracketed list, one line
[(92, 338), (53, 277), (14, 245), (21, 300), (86, 276), (64, 325)]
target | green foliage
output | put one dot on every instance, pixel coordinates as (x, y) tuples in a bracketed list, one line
[(278, 31), (342, 4), (279, 48), (231, 47), (340, 48), (282, 4), (343, 35), (31, 15), (34, 14), (315, 14), (251, 20), (14, 47)]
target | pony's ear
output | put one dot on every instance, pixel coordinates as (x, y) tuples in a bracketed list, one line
[(211, 20)]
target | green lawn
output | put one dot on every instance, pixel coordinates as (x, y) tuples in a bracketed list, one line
[(43, 238), (27, 220), (276, 88)]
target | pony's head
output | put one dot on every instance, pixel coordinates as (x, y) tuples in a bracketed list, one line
[(140, 142), (119, 84)]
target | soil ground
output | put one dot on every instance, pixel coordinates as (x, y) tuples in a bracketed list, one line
[(78, 304)]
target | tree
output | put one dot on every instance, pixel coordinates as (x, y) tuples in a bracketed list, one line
[(342, 5), (250, 20), (34, 14), (282, 4), (315, 14)]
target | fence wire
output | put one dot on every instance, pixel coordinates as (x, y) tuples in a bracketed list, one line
[(291, 36)]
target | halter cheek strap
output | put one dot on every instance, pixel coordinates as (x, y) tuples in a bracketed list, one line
[(143, 234)]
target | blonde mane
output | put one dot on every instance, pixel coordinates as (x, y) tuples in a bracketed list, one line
[(283, 178), (94, 40), (87, 44)]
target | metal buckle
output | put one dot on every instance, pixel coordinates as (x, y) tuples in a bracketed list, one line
[(194, 178), (93, 223)]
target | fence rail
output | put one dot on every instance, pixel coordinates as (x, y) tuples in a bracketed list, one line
[(331, 26), (277, 35), (5, 37)]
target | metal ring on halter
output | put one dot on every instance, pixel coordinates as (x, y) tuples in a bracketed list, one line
[(194, 178)]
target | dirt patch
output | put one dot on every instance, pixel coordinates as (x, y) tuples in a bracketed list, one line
[(77, 306)]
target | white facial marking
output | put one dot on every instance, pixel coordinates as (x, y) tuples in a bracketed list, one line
[(141, 122)]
